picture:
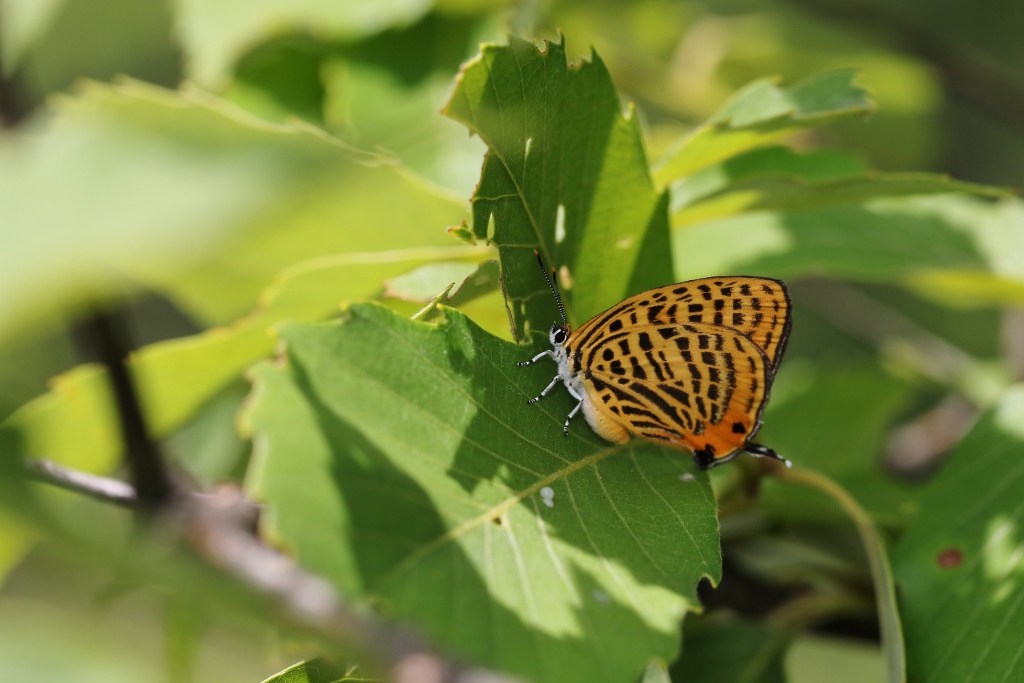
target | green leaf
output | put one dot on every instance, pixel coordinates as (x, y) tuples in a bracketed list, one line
[(763, 113), (216, 33), (423, 283), (959, 564), (780, 193), (718, 649), (821, 164), (932, 245), (177, 377), (383, 112), (197, 199), (880, 241), (317, 670), (565, 174), (401, 461)]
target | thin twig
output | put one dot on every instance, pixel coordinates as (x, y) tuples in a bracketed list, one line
[(100, 488), (874, 548), (222, 530), (213, 527)]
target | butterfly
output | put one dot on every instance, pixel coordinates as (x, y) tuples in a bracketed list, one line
[(688, 365)]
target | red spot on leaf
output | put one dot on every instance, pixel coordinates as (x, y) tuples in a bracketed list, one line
[(950, 558)]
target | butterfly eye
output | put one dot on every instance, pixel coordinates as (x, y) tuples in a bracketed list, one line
[(559, 337)]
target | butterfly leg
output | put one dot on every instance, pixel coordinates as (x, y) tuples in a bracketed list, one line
[(575, 410), (556, 380), (534, 359), (573, 413), (759, 451)]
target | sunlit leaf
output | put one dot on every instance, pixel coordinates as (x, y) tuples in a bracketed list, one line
[(401, 461), (197, 199), (565, 174), (960, 564), (761, 114), (879, 241), (781, 193)]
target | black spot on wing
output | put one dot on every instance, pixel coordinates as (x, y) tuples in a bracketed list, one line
[(655, 365)]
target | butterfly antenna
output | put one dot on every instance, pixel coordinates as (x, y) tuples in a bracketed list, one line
[(553, 287)]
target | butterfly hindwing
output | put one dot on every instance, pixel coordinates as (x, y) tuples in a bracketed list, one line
[(759, 308), (695, 385)]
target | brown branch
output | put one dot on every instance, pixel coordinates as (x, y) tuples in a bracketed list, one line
[(221, 528), (218, 526), (146, 468)]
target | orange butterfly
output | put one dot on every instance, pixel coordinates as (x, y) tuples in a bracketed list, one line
[(689, 365)]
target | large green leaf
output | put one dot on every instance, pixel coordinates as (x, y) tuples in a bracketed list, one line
[(782, 193), (763, 113), (882, 240), (960, 564), (197, 199), (952, 249), (401, 461), (565, 174), (216, 33)]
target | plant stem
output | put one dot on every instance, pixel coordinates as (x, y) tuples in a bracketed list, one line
[(878, 559)]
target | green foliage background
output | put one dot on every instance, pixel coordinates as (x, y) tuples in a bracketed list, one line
[(319, 219)]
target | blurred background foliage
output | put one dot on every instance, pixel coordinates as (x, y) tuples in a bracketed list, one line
[(223, 167)]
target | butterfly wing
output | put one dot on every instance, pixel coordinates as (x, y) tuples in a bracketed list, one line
[(696, 386), (757, 307)]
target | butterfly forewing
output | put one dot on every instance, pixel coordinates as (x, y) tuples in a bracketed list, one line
[(695, 385), (757, 307)]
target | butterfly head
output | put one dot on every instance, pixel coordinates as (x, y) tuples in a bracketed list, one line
[(559, 334)]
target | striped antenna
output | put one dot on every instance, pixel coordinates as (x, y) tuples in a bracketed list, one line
[(553, 287)]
